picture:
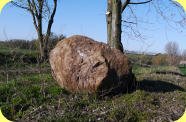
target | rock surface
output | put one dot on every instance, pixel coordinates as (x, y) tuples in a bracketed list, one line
[(82, 65)]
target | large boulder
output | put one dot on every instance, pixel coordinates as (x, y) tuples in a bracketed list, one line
[(82, 65)]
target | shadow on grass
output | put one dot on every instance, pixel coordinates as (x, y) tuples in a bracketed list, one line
[(172, 73), (158, 86)]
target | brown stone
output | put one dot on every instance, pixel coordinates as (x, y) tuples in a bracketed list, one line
[(82, 65)]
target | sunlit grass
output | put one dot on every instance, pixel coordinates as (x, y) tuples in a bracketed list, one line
[(183, 70)]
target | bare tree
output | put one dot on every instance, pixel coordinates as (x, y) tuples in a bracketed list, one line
[(172, 50), (40, 9), (184, 54), (117, 7)]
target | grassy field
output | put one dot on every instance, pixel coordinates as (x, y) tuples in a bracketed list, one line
[(183, 70), (29, 93)]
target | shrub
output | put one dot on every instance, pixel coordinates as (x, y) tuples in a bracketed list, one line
[(159, 59), (145, 59)]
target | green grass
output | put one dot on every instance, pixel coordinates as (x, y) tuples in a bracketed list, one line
[(183, 70), (139, 70), (22, 95)]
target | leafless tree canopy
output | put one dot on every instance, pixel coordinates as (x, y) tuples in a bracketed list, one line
[(172, 49), (170, 11)]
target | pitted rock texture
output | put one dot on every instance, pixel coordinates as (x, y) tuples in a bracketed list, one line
[(82, 65)]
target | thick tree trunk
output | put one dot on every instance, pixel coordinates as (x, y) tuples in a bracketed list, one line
[(109, 20), (113, 16)]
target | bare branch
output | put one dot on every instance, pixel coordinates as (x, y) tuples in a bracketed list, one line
[(129, 22), (50, 22), (140, 2), (169, 15), (33, 14), (34, 6), (19, 6), (124, 5)]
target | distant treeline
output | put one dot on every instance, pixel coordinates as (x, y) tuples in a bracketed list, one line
[(33, 44), (155, 60), (20, 44)]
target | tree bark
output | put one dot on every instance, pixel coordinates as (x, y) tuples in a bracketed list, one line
[(113, 16), (40, 31), (50, 22), (114, 19), (109, 20)]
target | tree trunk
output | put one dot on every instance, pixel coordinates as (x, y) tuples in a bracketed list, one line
[(40, 33), (50, 22), (41, 47), (113, 16)]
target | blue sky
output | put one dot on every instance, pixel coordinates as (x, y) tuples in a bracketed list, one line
[(87, 17)]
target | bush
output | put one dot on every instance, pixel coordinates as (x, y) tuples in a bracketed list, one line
[(145, 59), (159, 59)]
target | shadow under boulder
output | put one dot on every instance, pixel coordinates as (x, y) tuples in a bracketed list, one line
[(82, 65), (158, 86)]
